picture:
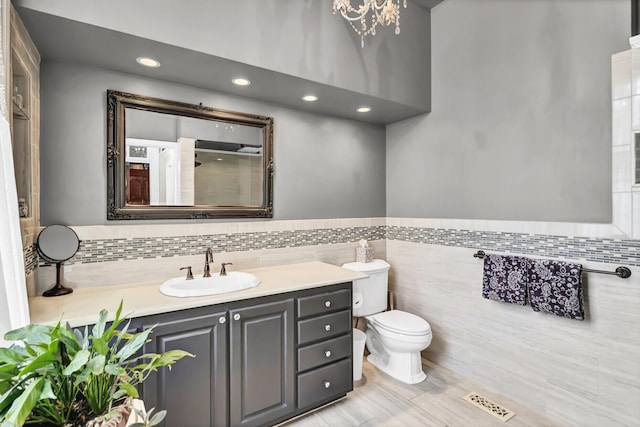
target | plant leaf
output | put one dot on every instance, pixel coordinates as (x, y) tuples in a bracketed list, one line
[(116, 322), (8, 379), (47, 391), (118, 394), (30, 334), (171, 356), (113, 369), (100, 346), (157, 418), (96, 364), (9, 356), (39, 362), (54, 345), (85, 340), (129, 389), (98, 329), (82, 376), (78, 361), (78, 334), (69, 339), (133, 345), (24, 404)]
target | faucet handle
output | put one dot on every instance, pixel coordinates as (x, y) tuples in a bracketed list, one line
[(189, 273), (223, 270)]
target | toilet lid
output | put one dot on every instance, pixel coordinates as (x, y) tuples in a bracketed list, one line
[(402, 322)]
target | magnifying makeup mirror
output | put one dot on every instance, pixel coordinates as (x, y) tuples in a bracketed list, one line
[(57, 244)]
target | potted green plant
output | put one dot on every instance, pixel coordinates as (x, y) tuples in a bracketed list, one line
[(59, 376)]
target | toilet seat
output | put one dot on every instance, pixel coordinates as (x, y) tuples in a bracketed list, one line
[(401, 322)]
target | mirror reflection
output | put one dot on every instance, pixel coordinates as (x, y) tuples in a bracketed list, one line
[(182, 161), (167, 159)]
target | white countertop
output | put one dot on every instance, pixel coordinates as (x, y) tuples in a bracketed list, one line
[(142, 299)]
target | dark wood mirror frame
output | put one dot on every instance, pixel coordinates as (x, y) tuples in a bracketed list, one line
[(117, 209)]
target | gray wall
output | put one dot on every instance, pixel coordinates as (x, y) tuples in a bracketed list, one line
[(520, 127), (301, 38), (324, 167)]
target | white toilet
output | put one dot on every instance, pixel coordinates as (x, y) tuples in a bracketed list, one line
[(394, 338)]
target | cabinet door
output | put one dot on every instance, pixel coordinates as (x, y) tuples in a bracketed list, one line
[(262, 369), (194, 392)]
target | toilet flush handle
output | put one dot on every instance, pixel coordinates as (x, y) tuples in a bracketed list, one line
[(357, 300)]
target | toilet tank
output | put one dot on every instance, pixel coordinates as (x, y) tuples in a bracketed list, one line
[(370, 295)]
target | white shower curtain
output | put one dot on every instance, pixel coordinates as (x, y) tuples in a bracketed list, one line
[(14, 306)]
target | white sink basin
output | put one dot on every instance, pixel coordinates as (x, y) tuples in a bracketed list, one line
[(201, 286)]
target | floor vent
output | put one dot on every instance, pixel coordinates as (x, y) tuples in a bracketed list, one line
[(486, 405)]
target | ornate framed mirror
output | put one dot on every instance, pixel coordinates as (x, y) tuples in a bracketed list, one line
[(172, 160)]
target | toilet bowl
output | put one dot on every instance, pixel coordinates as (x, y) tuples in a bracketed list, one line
[(395, 339)]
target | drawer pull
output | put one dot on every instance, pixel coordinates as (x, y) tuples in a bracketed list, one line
[(222, 319), (236, 316), (327, 304), (327, 353), (327, 328), (327, 384)]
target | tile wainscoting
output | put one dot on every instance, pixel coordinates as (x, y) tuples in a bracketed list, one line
[(579, 373), (126, 254), (583, 374), (539, 245)]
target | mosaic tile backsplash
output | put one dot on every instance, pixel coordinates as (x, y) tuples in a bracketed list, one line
[(30, 259), (92, 251), (626, 252), (581, 248)]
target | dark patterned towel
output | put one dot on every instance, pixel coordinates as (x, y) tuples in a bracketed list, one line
[(556, 287), (505, 278)]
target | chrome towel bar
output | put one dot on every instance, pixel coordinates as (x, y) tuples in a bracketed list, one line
[(622, 272)]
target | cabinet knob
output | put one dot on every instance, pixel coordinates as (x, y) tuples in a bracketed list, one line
[(236, 316), (327, 353), (327, 328), (222, 319), (327, 304), (327, 384)]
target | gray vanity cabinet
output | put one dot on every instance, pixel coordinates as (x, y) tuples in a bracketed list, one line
[(195, 391), (258, 361), (262, 366), (325, 351)]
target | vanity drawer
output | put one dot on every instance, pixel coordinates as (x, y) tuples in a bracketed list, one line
[(322, 327), (324, 303), (324, 352), (323, 383)]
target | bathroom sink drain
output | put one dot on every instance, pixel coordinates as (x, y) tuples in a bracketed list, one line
[(486, 405)]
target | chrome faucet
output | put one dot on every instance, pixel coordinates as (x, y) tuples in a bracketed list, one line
[(208, 257)]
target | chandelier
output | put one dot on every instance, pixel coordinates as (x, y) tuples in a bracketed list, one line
[(383, 12)]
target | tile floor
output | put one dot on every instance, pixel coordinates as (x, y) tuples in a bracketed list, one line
[(437, 402)]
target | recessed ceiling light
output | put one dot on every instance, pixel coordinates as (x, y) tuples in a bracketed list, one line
[(241, 81), (363, 109), (310, 98), (148, 62)]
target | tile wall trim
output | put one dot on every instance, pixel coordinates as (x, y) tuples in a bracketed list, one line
[(30, 254), (543, 246), (279, 237), (118, 231), (569, 229), (592, 242)]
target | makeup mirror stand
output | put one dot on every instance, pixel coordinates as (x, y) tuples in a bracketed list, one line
[(57, 244), (58, 289)]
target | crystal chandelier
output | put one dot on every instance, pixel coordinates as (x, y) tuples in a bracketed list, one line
[(383, 12)]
